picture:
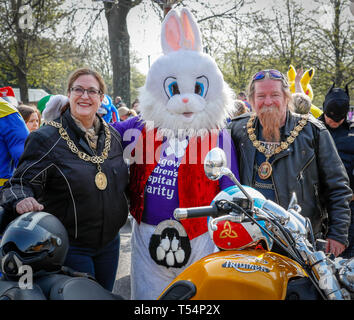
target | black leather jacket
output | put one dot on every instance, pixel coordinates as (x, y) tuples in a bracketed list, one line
[(310, 166), (65, 184), (343, 137)]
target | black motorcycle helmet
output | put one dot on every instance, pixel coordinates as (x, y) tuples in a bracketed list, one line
[(35, 239)]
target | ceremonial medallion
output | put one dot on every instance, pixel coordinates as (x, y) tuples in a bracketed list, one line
[(271, 148), (101, 180), (265, 170)]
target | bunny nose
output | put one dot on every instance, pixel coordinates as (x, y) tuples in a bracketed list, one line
[(185, 100)]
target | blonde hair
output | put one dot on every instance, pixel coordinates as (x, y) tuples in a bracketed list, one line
[(125, 111), (285, 87), (302, 103), (240, 108)]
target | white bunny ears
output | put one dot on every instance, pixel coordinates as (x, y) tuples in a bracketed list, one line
[(180, 32)]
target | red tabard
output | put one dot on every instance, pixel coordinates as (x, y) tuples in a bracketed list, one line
[(194, 188)]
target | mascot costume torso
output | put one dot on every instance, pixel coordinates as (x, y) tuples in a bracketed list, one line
[(184, 106), (306, 87)]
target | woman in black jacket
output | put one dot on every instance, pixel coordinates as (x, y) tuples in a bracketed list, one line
[(73, 168)]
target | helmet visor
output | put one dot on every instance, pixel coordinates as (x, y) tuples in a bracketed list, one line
[(27, 241)]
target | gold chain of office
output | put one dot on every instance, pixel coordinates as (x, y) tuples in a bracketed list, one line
[(100, 178), (265, 169)]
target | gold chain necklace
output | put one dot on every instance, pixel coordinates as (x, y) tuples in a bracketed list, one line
[(265, 169), (100, 178)]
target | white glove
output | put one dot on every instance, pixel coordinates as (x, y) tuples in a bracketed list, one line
[(53, 107)]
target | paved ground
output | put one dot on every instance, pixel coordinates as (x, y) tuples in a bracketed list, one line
[(122, 284)]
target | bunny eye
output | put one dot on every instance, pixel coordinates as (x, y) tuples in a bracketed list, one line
[(201, 86), (171, 87)]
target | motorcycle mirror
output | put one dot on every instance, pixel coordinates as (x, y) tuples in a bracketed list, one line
[(215, 166), (293, 204), (215, 163), (295, 209)]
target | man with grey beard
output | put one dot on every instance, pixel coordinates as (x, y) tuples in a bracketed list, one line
[(280, 152)]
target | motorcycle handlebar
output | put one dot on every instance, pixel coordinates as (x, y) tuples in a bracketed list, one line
[(196, 212)]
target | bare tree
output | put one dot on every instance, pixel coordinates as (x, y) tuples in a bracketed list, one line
[(333, 50), (24, 26), (166, 5), (285, 33)]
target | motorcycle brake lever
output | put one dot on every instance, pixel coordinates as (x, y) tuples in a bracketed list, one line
[(230, 217)]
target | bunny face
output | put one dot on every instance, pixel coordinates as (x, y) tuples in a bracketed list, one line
[(184, 89)]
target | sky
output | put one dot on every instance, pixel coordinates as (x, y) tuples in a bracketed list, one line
[(144, 36)]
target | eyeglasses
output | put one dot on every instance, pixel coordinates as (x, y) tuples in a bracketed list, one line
[(273, 74), (78, 91)]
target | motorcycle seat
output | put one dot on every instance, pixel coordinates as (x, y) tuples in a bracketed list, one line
[(64, 287), (10, 290)]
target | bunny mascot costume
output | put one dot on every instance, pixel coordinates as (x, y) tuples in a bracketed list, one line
[(184, 106)]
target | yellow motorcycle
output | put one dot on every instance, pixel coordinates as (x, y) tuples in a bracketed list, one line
[(245, 226)]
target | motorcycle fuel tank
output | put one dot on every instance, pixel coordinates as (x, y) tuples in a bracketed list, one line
[(238, 275)]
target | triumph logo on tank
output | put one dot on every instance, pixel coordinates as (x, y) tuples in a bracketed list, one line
[(244, 267)]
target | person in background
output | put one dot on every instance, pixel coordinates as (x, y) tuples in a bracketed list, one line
[(240, 108), (13, 134), (336, 108), (8, 94), (242, 96), (126, 113), (300, 84), (302, 103), (135, 106), (117, 101), (281, 152), (73, 167), (31, 115)]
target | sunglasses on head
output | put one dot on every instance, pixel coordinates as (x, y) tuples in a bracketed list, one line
[(273, 74)]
